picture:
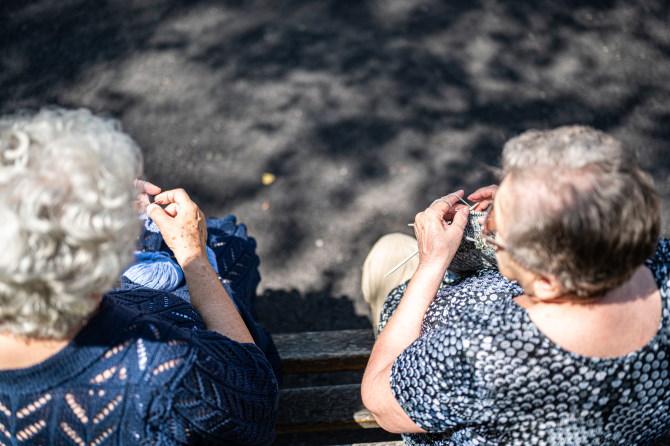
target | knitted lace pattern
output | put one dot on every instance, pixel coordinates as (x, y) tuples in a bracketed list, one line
[(143, 371)]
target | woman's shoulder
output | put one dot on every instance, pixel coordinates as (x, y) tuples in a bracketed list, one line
[(659, 264), (662, 252), (476, 331)]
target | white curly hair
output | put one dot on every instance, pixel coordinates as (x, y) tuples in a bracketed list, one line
[(68, 221)]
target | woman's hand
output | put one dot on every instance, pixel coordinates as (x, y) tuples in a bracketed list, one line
[(144, 189), (182, 224), (439, 230), (184, 229), (483, 197)]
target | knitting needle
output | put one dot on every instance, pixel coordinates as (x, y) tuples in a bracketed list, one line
[(402, 262), (407, 259), (471, 207)]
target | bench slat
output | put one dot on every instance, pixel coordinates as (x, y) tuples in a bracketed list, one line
[(324, 351), (383, 443), (309, 409)]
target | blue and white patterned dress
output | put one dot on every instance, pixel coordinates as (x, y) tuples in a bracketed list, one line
[(481, 373)]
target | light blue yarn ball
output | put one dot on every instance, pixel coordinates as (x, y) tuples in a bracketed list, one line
[(155, 270)]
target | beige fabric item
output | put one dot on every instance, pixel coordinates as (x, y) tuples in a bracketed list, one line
[(384, 255)]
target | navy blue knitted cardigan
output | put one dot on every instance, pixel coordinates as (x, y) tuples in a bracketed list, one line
[(144, 370)]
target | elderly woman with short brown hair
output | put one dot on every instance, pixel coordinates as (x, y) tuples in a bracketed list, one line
[(567, 342)]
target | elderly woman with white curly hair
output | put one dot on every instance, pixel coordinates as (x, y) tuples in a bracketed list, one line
[(566, 342), (87, 358)]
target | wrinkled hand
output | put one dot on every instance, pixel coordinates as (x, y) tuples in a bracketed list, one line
[(144, 188), (483, 196), (439, 240), (181, 223)]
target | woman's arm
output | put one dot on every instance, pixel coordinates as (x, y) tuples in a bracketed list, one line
[(438, 242), (184, 230)]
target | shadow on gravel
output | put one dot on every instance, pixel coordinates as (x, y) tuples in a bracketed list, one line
[(289, 311), (365, 110), (342, 438)]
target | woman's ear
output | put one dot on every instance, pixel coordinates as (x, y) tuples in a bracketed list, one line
[(547, 287)]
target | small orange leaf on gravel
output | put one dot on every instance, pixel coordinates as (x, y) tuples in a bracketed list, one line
[(265, 206), (268, 178)]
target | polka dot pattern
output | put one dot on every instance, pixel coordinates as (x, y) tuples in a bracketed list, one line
[(481, 373)]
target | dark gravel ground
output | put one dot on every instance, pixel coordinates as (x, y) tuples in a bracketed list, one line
[(364, 111)]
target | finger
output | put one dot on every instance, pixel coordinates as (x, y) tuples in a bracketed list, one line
[(172, 209), (482, 205), (143, 200), (417, 218), (451, 213), (483, 193), (460, 220), (151, 188), (173, 196), (447, 201), (446, 212), (158, 215), (144, 186)]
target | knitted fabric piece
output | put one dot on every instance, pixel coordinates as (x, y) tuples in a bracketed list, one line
[(474, 255)]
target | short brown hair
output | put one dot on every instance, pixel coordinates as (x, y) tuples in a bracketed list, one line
[(586, 212)]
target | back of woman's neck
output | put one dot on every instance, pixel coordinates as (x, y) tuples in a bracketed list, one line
[(622, 321), (18, 352)]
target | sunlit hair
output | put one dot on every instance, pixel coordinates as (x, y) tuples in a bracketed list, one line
[(584, 211), (68, 223)]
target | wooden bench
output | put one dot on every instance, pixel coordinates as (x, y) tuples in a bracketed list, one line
[(322, 406), (326, 408)]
